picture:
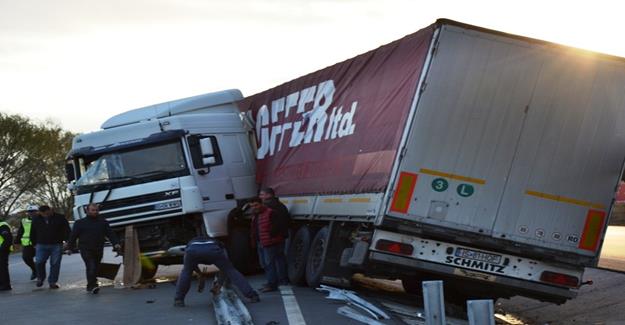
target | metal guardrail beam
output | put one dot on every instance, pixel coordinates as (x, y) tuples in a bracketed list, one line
[(229, 309), (434, 302), (481, 312)]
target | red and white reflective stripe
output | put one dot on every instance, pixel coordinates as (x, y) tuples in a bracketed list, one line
[(595, 220), (403, 192)]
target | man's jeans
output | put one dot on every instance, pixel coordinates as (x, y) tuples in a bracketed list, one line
[(209, 254), (261, 256), (54, 253), (92, 259), (275, 265)]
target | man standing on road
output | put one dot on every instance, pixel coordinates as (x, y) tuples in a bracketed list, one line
[(91, 233), (266, 232), (206, 250), (281, 216), (48, 233), (23, 238), (6, 241)]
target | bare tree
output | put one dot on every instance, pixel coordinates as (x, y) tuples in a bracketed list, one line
[(32, 158), (20, 143), (53, 186)]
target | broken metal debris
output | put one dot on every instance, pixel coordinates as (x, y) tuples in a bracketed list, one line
[(412, 315), (351, 297), (354, 300), (351, 313), (229, 309)]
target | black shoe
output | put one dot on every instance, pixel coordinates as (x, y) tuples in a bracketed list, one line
[(268, 289), (33, 276), (54, 286), (39, 283), (6, 289), (178, 303), (95, 290)]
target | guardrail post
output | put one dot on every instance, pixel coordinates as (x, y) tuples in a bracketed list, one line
[(434, 302), (481, 312)]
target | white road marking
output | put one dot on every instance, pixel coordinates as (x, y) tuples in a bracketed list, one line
[(291, 307)]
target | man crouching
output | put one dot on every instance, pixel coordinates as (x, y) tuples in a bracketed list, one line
[(207, 250)]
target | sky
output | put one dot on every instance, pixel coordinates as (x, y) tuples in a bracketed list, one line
[(79, 62)]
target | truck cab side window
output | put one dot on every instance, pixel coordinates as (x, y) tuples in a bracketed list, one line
[(204, 151)]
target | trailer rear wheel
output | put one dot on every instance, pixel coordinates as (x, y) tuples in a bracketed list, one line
[(316, 258), (412, 286), (297, 255)]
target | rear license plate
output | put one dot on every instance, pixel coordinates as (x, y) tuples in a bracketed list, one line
[(478, 256)]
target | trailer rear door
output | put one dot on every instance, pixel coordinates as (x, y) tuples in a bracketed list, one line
[(569, 157), (514, 139)]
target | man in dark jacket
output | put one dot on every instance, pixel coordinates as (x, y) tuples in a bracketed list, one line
[(48, 233), (23, 239), (207, 250), (91, 233), (6, 240), (281, 218), (272, 245)]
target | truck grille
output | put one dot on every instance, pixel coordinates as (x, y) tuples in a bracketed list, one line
[(158, 207), (136, 200), (143, 216)]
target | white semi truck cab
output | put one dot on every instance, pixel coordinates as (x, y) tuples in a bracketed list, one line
[(166, 169)]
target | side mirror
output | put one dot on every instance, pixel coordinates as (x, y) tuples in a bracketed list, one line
[(204, 152), (70, 173), (208, 152)]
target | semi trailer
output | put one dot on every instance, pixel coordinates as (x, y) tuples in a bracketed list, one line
[(484, 159)]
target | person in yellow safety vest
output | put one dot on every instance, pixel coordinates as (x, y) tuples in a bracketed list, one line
[(6, 246), (23, 238)]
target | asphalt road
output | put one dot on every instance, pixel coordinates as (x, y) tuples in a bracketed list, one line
[(71, 304), (601, 303)]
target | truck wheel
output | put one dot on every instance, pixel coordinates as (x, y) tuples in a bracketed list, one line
[(412, 285), (297, 255), (316, 261), (239, 250)]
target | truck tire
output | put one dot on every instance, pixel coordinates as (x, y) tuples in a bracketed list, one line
[(239, 250), (412, 285), (316, 262), (297, 254)]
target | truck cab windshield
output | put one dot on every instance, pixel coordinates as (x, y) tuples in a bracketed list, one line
[(137, 165)]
